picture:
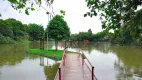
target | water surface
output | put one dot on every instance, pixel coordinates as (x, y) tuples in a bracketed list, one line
[(111, 62), (15, 64), (114, 62)]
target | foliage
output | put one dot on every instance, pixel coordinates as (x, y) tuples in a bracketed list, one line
[(122, 16), (36, 32), (112, 12), (50, 71), (12, 30), (100, 36), (29, 4), (82, 36), (5, 39), (62, 12), (58, 29), (5, 28), (17, 28)]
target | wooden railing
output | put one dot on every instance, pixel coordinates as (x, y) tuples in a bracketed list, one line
[(61, 67), (83, 56)]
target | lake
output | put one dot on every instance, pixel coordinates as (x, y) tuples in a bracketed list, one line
[(111, 62)]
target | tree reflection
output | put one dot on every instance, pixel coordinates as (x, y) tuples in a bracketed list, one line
[(12, 54), (50, 67), (101, 47), (129, 62), (50, 71)]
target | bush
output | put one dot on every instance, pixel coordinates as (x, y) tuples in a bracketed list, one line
[(5, 29), (5, 39)]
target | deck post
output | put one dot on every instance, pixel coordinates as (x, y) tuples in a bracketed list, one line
[(59, 73), (82, 59), (79, 52), (93, 73), (64, 60)]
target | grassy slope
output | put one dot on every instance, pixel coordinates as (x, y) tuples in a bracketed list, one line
[(56, 55)]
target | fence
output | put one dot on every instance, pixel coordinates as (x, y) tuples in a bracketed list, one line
[(83, 56), (61, 67)]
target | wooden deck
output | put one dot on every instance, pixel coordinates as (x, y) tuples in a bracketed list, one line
[(74, 70)]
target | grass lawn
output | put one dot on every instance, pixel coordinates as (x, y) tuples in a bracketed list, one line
[(56, 55)]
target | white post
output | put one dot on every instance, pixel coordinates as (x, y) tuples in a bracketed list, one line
[(47, 41)]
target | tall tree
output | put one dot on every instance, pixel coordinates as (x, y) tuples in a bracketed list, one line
[(35, 31), (58, 29)]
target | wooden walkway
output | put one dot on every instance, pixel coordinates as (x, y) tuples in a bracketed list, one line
[(74, 70)]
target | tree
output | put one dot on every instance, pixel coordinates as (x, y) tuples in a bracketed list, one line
[(31, 5), (17, 28), (58, 29), (112, 12), (90, 31), (100, 36), (117, 15), (5, 28), (36, 32)]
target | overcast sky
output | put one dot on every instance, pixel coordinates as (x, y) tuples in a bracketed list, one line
[(74, 15)]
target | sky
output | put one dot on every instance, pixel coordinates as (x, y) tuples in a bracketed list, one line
[(75, 10)]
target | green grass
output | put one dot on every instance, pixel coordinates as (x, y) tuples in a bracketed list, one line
[(56, 55), (71, 52)]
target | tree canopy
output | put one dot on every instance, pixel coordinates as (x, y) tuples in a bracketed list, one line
[(58, 29), (12, 30), (100, 36), (35, 31), (122, 16), (30, 5)]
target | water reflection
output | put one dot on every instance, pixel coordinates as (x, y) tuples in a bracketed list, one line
[(112, 62), (50, 67), (127, 64), (11, 54), (50, 71), (15, 64), (44, 61)]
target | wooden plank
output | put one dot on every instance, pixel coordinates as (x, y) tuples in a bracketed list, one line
[(74, 70)]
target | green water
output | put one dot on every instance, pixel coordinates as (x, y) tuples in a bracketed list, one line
[(15, 64), (111, 62), (114, 62)]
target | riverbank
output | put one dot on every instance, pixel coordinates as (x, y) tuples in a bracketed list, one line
[(8, 40), (53, 54)]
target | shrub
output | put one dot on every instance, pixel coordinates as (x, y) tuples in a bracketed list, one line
[(5, 39)]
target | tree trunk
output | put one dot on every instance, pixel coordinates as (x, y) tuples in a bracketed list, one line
[(56, 44)]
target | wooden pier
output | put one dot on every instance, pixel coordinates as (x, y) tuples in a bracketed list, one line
[(75, 67)]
